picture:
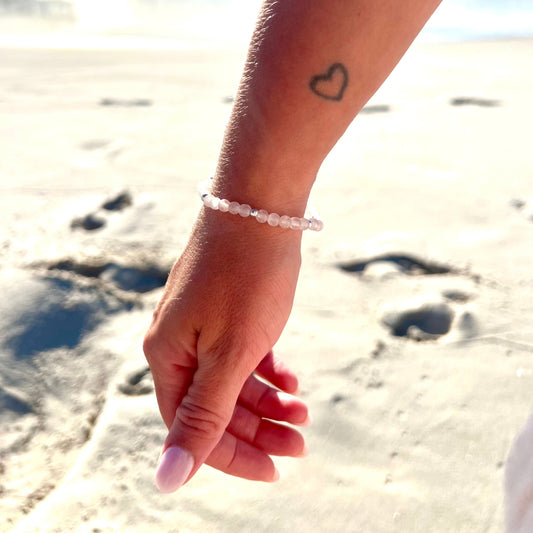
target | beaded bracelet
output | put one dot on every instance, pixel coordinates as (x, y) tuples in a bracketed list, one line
[(244, 210)]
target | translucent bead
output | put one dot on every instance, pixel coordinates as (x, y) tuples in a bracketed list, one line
[(207, 199), (212, 202), (223, 206), (315, 224), (296, 223), (304, 223), (273, 219), (285, 222), (262, 216), (245, 210), (234, 208)]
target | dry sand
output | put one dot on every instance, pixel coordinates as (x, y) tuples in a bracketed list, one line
[(411, 329)]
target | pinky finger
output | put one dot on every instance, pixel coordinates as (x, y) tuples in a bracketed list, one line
[(276, 372)]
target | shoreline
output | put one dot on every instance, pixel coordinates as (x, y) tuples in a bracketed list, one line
[(54, 36)]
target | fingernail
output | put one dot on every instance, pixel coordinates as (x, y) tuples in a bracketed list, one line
[(276, 476), (304, 452), (174, 468), (308, 421)]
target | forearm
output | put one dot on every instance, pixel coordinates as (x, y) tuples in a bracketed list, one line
[(289, 113)]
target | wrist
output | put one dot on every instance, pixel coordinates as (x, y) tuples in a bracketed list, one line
[(260, 167), (243, 234), (265, 189), (311, 220)]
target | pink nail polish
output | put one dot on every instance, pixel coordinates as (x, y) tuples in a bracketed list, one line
[(308, 421), (304, 452), (174, 468)]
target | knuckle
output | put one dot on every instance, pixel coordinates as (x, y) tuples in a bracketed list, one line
[(156, 346), (149, 344), (266, 399), (199, 421)]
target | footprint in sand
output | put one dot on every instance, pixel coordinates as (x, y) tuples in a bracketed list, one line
[(420, 318), (98, 219), (429, 317), (394, 263), (424, 317), (373, 109), (50, 312), (141, 278), (138, 383), (65, 303), (473, 101), (125, 102), (118, 202), (525, 206), (89, 222)]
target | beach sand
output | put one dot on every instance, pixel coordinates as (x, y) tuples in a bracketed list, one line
[(411, 329)]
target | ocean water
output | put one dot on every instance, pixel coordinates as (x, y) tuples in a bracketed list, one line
[(219, 23), (459, 20)]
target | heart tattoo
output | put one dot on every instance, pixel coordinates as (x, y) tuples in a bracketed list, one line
[(332, 84)]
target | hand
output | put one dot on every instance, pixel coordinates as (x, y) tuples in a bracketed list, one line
[(225, 305)]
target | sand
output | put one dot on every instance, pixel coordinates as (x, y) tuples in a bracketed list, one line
[(411, 325)]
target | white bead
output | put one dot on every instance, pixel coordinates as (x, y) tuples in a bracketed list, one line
[(315, 224), (285, 222), (245, 210), (296, 223), (223, 206), (212, 202), (234, 208), (261, 216), (209, 200), (304, 223), (273, 219)]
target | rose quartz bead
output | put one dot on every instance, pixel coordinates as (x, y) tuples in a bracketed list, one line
[(304, 223), (234, 208), (285, 222), (261, 216), (245, 210), (296, 223), (315, 224), (212, 202), (223, 206), (273, 219)]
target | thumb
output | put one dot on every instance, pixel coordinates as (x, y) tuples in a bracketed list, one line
[(201, 419)]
